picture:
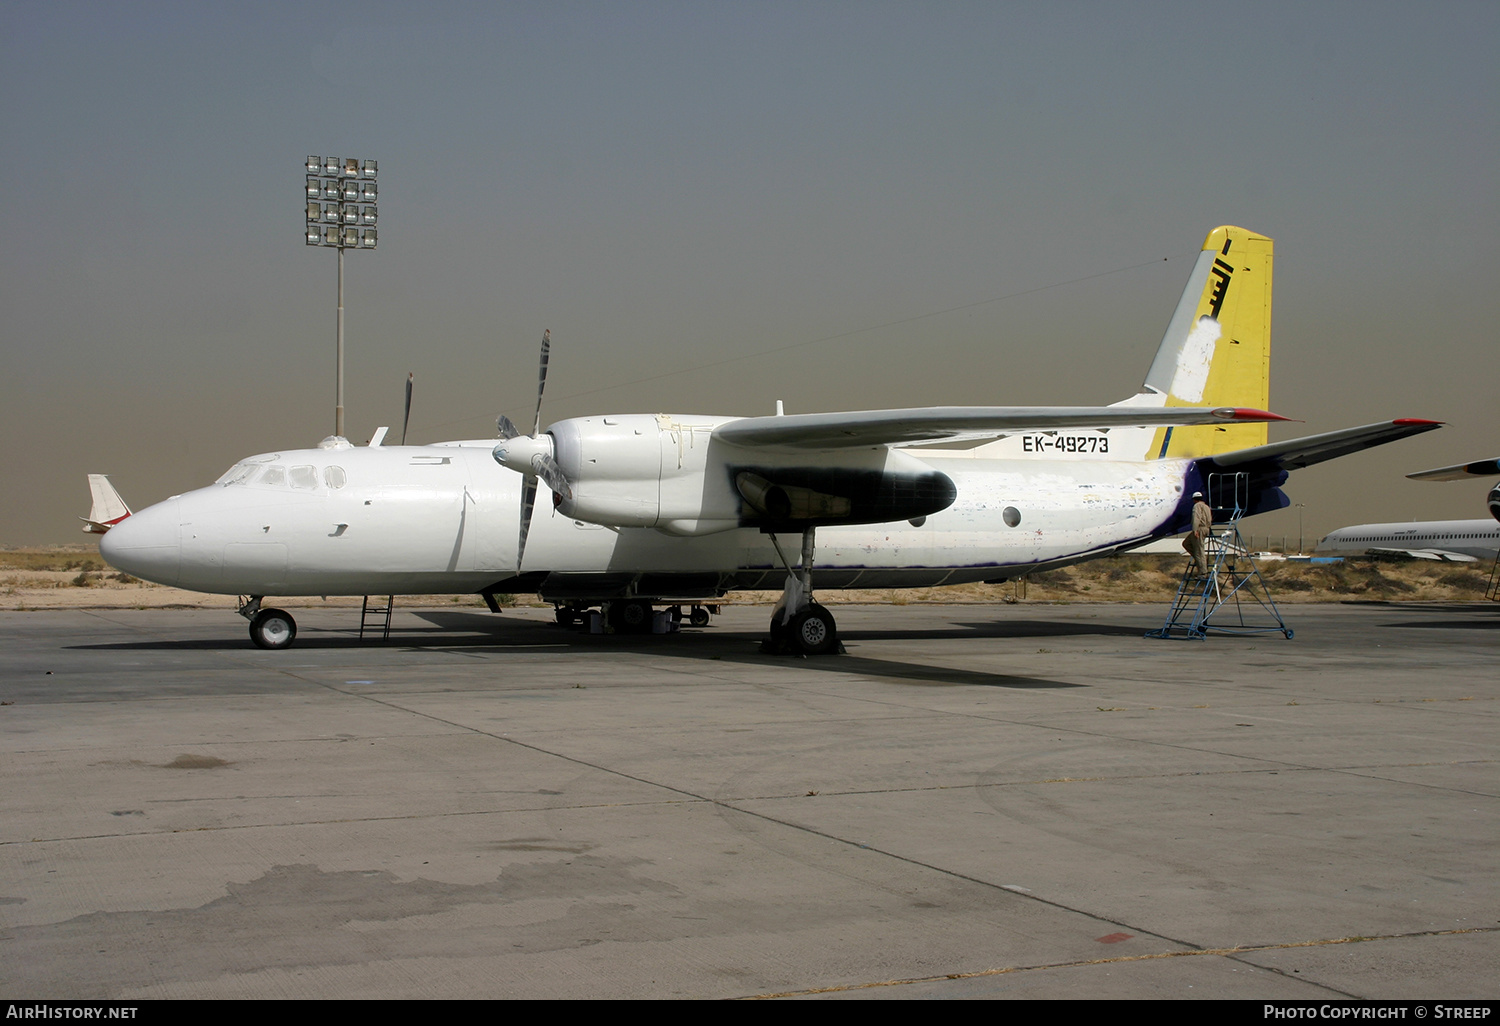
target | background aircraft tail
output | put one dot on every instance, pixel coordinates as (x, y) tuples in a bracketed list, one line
[(1217, 348), (108, 509)]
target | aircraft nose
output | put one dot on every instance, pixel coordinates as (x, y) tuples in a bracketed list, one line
[(147, 544)]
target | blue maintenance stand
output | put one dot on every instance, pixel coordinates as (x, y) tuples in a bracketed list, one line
[(1231, 597)]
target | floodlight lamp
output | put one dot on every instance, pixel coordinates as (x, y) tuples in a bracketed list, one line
[(351, 213), (314, 212), (314, 165), (367, 215), (330, 190), (349, 192), (331, 165), (369, 169), (331, 212), (351, 167), (314, 188), (367, 192), (351, 237), (314, 236), (367, 239)]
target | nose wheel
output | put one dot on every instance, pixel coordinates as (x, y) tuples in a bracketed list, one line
[(273, 628)]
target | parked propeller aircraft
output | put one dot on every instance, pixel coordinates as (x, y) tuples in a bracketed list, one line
[(672, 509), (1455, 541)]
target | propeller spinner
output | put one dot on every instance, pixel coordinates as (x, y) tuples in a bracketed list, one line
[(531, 455)]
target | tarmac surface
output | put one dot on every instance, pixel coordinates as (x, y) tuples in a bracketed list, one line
[(976, 801)]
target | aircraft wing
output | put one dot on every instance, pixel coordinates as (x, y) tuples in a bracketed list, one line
[(899, 427), (1459, 471), (1304, 452)]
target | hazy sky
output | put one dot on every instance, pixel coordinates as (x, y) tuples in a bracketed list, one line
[(671, 186)]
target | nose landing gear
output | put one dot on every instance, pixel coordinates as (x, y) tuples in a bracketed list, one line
[(269, 628)]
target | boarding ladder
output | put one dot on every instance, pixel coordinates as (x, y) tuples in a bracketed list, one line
[(1231, 598), (373, 617)]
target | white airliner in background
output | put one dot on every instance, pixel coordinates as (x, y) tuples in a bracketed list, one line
[(670, 509), (1459, 541)]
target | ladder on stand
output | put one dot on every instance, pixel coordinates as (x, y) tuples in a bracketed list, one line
[(1493, 591), (376, 617), (1231, 598)]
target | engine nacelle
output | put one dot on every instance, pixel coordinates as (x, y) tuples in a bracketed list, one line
[(614, 465), (1493, 501), (670, 473)]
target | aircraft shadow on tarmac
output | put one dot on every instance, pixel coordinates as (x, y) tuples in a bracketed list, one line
[(744, 647), (453, 630), (1490, 624), (485, 623)]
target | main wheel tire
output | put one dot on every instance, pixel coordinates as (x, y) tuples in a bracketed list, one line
[(631, 617), (273, 628), (814, 632), (567, 615), (698, 617)]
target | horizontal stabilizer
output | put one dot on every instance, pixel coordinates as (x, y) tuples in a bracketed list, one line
[(900, 427), (1304, 452), (1459, 471)]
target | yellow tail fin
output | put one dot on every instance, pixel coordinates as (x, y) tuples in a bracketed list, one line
[(1217, 349)]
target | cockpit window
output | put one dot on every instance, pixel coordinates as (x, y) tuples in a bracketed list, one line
[(244, 471), (274, 477), (304, 477), (237, 474)]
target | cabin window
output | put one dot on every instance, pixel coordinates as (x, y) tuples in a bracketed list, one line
[(1012, 516), (334, 477), (303, 477)]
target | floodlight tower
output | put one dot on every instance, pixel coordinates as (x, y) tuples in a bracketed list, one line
[(340, 215)]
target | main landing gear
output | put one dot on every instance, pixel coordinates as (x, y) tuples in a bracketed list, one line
[(269, 628), (633, 616), (800, 626)]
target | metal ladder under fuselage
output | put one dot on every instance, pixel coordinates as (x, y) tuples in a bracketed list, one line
[(376, 617)]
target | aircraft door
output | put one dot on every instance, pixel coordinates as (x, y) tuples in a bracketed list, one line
[(489, 514)]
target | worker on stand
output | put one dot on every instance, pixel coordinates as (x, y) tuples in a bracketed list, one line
[(1196, 543)]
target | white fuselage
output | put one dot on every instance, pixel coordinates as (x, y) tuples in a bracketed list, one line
[(444, 519), (1432, 539)]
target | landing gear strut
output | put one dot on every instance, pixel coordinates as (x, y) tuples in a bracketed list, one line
[(800, 626)]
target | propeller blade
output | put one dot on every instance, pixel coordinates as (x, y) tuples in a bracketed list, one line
[(528, 500), (405, 420), (541, 380), (506, 428), (548, 470)]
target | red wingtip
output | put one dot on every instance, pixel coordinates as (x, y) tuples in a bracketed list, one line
[(1247, 413), (1413, 421)]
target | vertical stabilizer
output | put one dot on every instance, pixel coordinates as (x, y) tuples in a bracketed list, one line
[(1217, 349), (108, 508)]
